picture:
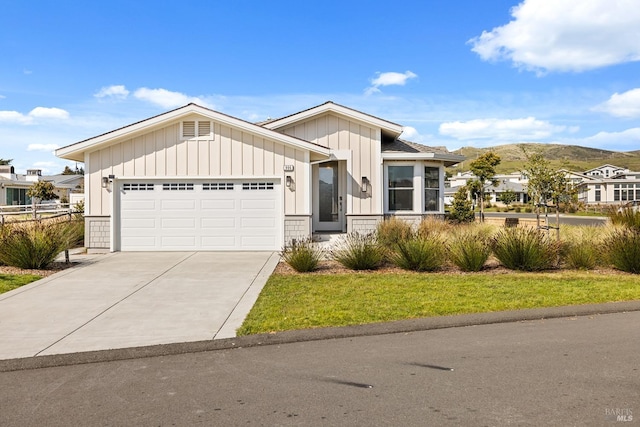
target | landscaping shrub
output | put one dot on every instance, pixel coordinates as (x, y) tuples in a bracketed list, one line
[(469, 249), (302, 255), (393, 230), (622, 248), (626, 217), (581, 247), (35, 245), (419, 253), (433, 226), (359, 252), (526, 249)]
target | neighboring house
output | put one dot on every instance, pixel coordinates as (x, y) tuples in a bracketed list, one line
[(66, 184), (605, 185), (605, 171), (197, 179), (515, 182), (14, 187)]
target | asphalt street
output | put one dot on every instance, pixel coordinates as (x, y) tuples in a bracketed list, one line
[(564, 371)]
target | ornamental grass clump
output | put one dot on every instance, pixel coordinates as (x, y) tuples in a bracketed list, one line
[(622, 248), (581, 249), (302, 255), (419, 253), (469, 249), (35, 245), (628, 217), (359, 252), (525, 249), (392, 230)]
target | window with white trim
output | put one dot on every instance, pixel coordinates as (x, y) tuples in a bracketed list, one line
[(431, 189), (400, 184), (196, 129)]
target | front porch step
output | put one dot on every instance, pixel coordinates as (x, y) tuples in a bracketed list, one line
[(327, 240)]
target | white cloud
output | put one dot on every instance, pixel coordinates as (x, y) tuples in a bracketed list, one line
[(43, 147), (2, 97), (166, 99), (409, 132), (49, 113), (628, 139), (625, 104), (563, 35), (501, 129), (390, 78), (114, 92), (14, 117)]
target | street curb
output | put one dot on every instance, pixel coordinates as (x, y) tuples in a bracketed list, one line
[(286, 337)]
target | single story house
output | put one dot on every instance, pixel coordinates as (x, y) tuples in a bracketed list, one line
[(197, 179), (14, 187)]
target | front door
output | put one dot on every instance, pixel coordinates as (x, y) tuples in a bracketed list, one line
[(329, 197)]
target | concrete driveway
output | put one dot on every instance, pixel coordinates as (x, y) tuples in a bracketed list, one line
[(133, 299)]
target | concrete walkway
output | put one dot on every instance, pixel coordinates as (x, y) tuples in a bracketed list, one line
[(132, 299)]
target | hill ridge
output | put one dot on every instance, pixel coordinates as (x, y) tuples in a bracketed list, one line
[(573, 157)]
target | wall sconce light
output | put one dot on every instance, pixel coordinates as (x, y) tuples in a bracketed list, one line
[(288, 181), (105, 182), (365, 184)]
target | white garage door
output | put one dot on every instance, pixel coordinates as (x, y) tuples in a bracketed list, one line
[(200, 215)]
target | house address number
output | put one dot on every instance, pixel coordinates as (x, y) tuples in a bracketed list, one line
[(288, 168)]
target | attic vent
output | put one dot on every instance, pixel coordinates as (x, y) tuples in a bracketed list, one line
[(204, 128), (188, 129), (196, 129)]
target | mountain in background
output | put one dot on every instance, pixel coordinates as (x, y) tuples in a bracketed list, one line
[(571, 157)]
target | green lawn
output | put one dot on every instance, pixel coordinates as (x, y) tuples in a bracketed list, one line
[(313, 300), (9, 282)]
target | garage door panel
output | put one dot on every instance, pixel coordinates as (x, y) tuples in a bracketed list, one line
[(257, 241), (218, 204), (188, 223), (199, 216), (259, 204), (138, 223), (148, 242), (218, 242), (261, 222), (187, 242), (139, 205), (226, 223), (180, 205)]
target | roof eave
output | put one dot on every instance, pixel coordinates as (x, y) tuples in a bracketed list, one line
[(447, 159), (330, 107), (76, 151)]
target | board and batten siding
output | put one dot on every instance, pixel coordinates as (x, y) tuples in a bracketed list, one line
[(340, 133), (231, 153)]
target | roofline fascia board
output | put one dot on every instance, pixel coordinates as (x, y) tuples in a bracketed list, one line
[(331, 107), (448, 160), (76, 149)]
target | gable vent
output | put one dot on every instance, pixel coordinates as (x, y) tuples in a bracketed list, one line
[(204, 128), (188, 129)]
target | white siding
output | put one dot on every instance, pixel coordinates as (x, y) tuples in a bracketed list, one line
[(161, 153), (338, 133)]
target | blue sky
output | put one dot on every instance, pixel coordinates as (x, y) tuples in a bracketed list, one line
[(463, 73)]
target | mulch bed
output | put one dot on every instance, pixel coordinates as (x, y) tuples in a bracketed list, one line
[(492, 267), (53, 268)]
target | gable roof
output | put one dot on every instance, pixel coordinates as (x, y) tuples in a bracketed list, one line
[(400, 149), (76, 151), (330, 106)]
